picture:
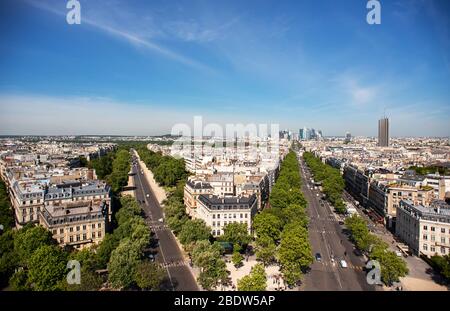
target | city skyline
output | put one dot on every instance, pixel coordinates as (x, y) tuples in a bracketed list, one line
[(136, 68)]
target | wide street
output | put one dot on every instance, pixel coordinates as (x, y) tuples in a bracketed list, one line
[(168, 252), (327, 238)]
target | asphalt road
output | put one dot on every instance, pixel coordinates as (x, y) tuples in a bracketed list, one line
[(169, 254), (327, 238)]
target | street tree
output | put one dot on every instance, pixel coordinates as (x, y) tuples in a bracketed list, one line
[(294, 253), (30, 238), (149, 275), (123, 264), (194, 230), (266, 224), (47, 268)]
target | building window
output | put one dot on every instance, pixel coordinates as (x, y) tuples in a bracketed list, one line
[(433, 249), (425, 247), (245, 215), (61, 231), (99, 234), (84, 236), (433, 238), (214, 223), (78, 237), (432, 228), (442, 230), (84, 227), (425, 237), (218, 216), (425, 227), (442, 250), (443, 239), (93, 226), (78, 228), (99, 225), (214, 216), (71, 238), (218, 224)]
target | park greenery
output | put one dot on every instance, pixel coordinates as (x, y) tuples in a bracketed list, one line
[(113, 167), (236, 234), (281, 229), (6, 212), (332, 182), (392, 266), (167, 170), (207, 257), (442, 265), (255, 281)]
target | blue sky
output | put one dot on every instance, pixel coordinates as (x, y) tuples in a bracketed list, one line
[(139, 67)]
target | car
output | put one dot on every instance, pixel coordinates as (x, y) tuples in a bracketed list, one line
[(160, 220), (318, 257), (343, 263)]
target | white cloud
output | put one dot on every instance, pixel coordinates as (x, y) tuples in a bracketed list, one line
[(131, 37)]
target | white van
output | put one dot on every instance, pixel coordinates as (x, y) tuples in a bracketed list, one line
[(343, 264)]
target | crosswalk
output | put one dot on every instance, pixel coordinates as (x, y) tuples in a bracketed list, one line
[(337, 265), (329, 219), (178, 263), (322, 231), (159, 227)]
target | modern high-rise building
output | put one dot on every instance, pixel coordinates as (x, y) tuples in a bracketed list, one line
[(301, 134), (348, 137), (383, 132)]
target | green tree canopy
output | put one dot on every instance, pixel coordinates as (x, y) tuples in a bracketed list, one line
[(267, 225), (255, 281), (47, 268), (149, 275), (30, 238), (194, 230), (236, 233), (123, 264), (294, 253)]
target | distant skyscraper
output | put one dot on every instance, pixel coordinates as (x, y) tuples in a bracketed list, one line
[(383, 132), (301, 134), (348, 137)]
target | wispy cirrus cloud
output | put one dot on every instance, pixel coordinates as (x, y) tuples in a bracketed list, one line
[(131, 37)]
